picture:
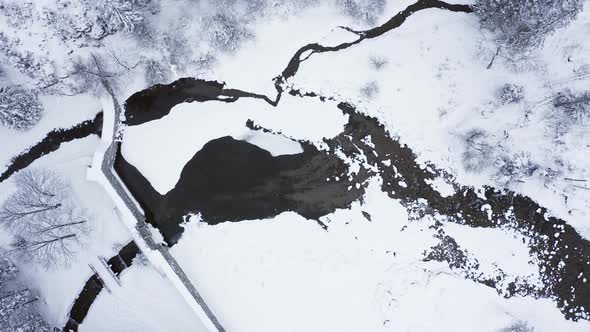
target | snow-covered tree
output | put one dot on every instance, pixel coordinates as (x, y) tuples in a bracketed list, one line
[(72, 21), (18, 312), (17, 14), (225, 32), (510, 93), (378, 62), (574, 105), (86, 21), (33, 65), (19, 108), (43, 218), (156, 73), (366, 11), (523, 24), (120, 15), (255, 6), (177, 50), (38, 68)]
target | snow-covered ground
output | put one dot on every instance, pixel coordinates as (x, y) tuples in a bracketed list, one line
[(434, 87), (145, 301), (288, 274)]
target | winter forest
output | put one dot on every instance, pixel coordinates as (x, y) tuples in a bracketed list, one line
[(489, 96)]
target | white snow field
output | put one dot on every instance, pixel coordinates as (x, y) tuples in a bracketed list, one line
[(286, 273)]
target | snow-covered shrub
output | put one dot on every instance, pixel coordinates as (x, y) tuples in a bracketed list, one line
[(17, 302), (156, 73), (370, 90), (510, 93), (28, 63), (17, 14), (575, 106), (377, 62), (73, 23), (366, 11), (178, 50), (19, 108), (34, 67), (44, 218), (204, 62), (523, 24), (225, 32), (514, 168), (477, 150), (518, 326), (24, 62), (120, 15)]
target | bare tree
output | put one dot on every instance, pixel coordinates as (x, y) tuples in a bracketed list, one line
[(514, 168), (156, 72), (225, 32), (370, 89), (377, 62), (120, 15), (43, 218), (90, 74), (477, 150), (366, 11)]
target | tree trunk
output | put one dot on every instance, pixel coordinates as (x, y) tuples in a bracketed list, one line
[(61, 225)]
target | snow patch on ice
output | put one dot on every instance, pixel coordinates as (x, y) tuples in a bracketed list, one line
[(444, 188), (277, 145)]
